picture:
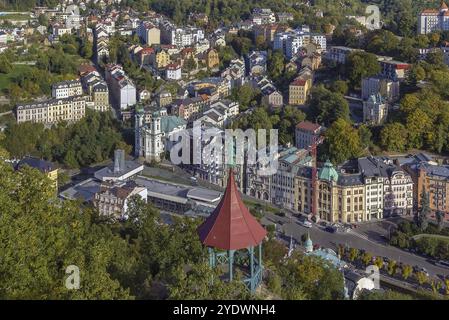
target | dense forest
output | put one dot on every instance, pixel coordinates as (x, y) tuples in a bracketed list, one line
[(88, 141)]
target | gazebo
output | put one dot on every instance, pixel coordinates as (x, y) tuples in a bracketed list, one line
[(231, 234)]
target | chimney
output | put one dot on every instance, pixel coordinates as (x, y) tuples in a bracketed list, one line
[(119, 160)]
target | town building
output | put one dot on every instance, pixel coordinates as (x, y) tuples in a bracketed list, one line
[(149, 33), (46, 167), (257, 63), (262, 16), (52, 111), (291, 42), (433, 179), (307, 134), (298, 91), (434, 20), (66, 89), (173, 71), (154, 138), (112, 199), (120, 170), (235, 73), (394, 70), (397, 184), (388, 89), (122, 90), (277, 188), (375, 110), (339, 54)]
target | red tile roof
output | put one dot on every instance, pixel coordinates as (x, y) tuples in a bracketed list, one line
[(231, 226), (308, 126)]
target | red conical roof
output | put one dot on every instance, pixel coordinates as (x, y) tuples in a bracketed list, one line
[(231, 226)]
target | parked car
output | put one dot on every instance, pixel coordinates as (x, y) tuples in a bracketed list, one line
[(442, 263), (305, 223), (330, 229)]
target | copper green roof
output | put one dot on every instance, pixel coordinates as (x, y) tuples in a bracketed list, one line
[(328, 172), (169, 123)]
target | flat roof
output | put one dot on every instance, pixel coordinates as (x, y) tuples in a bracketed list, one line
[(108, 172), (178, 193), (84, 190)]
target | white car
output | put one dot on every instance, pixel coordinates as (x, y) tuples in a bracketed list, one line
[(306, 224)]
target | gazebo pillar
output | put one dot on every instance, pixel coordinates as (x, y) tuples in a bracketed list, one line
[(231, 263)]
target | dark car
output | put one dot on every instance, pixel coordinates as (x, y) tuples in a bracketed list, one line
[(442, 263), (330, 229)]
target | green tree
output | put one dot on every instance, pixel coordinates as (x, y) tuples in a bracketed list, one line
[(421, 277), (276, 65), (392, 266), (353, 254), (341, 142), (407, 271), (326, 106), (33, 263), (379, 262), (340, 86), (393, 137), (366, 258), (5, 65), (360, 65)]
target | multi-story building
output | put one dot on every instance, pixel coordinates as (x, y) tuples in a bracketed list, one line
[(257, 63), (397, 184), (112, 199), (219, 113), (173, 71), (66, 89), (339, 54), (122, 89), (375, 110), (279, 187), (163, 98), (154, 138), (149, 33), (100, 96), (180, 37), (292, 42), (52, 111), (432, 20), (306, 134), (432, 179), (388, 89), (162, 59), (263, 16), (47, 168), (394, 70), (101, 42), (235, 73), (298, 91), (211, 58)]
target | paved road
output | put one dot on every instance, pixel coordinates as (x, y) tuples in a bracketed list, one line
[(290, 227), (5, 113)]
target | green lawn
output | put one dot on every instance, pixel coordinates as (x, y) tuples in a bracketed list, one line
[(5, 79)]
